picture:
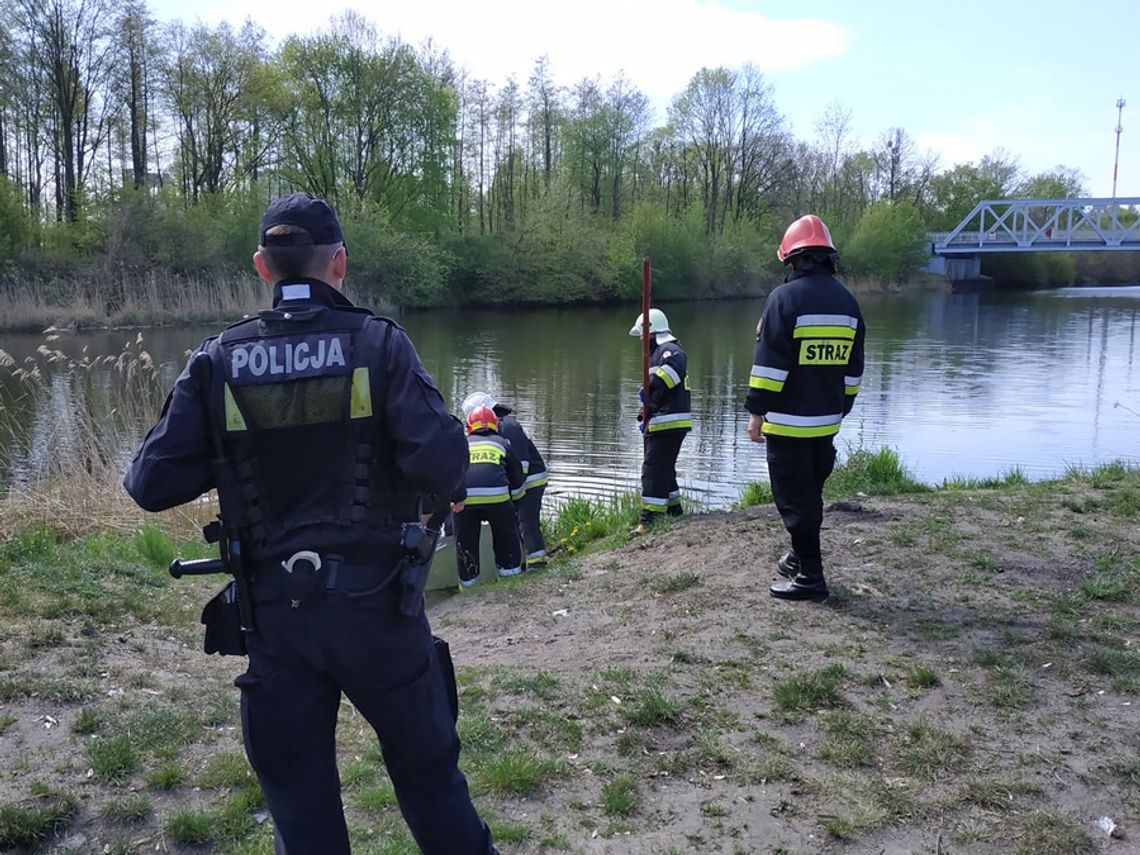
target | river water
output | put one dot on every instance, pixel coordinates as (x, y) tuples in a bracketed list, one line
[(960, 384)]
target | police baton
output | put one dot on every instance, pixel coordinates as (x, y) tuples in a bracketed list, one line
[(196, 567)]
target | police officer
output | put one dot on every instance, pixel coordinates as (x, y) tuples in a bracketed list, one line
[(534, 468), (670, 420), (494, 483), (806, 374), (333, 432)]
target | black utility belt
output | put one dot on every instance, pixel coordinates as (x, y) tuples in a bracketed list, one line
[(307, 573)]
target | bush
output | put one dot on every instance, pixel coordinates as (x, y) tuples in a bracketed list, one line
[(888, 243)]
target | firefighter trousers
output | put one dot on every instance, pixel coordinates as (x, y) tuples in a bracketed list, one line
[(797, 470), (659, 491), (529, 509), (504, 522)]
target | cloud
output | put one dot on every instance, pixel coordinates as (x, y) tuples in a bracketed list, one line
[(660, 44)]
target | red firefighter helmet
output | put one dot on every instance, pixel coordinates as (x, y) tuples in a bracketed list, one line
[(482, 418), (808, 232)]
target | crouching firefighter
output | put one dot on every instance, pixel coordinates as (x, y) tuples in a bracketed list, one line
[(534, 468), (323, 433), (494, 484), (668, 400)]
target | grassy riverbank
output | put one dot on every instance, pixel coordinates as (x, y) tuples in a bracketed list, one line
[(970, 687)]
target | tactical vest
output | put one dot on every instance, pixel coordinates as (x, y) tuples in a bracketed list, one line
[(309, 456)]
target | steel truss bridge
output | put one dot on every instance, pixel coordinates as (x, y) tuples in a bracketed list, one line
[(1035, 225)]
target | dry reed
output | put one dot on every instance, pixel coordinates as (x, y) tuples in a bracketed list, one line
[(128, 299), (69, 478)]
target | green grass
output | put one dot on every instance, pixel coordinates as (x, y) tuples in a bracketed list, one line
[(873, 473), (848, 739), (27, 822), (928, 751), (1013, 477), (191, 826), (923, 677), (154, 547), (996, 795), (128, 810), (230, 769), (6, 721), (514, 772), (166, 777), (1041, 833), (619, 796), (89, 720), (508, 830), (649, 707), (1011, 686), (675, 583), (22, 684), (113, 758), (540, 684), (755, 493), (579, 522), (377, 798), (810, 690)]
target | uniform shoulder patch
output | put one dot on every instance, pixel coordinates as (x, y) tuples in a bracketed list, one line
[(666, 354)]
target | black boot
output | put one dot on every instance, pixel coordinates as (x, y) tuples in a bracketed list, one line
[(801, 587), (788, 564)]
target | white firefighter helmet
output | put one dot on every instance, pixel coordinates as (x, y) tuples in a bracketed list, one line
[(477, 399), (658, 323)]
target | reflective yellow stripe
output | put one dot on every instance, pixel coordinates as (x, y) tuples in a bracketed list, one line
[(657, 509), (665, 378), (487, 500), (851, 390), (685, 424), (361, 407), (824, 332), (766, 383), (802, 432), (234, 419)]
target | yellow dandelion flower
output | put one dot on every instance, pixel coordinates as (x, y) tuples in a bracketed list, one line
[(570, 549)]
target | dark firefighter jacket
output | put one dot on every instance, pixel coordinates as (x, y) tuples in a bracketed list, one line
[(495, 474), (809, 356), (669, 399), (533, 466), (331, 429)]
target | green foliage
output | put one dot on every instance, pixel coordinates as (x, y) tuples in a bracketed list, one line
[(579, 522), (388, 267), (755, 493), (873, 473), (15, 225), (888, 243), (154, 547)]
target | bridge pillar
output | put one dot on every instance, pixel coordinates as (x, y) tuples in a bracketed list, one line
[(960, 268)]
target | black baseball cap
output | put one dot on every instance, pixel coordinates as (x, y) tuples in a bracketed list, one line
[(305, 212)]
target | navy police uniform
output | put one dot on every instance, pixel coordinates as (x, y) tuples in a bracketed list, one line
[(670, 420), (332, 430), (807, 371), (534, 470), (494, 484)]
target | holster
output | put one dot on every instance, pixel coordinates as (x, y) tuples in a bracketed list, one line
[(222, 619), (412, 577)]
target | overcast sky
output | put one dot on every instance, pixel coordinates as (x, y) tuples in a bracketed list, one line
[(1039, 79)]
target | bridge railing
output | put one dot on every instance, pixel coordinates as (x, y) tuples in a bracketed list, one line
[(1036, 225)]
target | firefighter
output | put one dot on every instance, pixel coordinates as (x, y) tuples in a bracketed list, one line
[(323, 433), (805, 376), (494, 483), (668, 401), (534, 468)]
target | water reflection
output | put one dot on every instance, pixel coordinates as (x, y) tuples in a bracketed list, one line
[(966, 385)]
